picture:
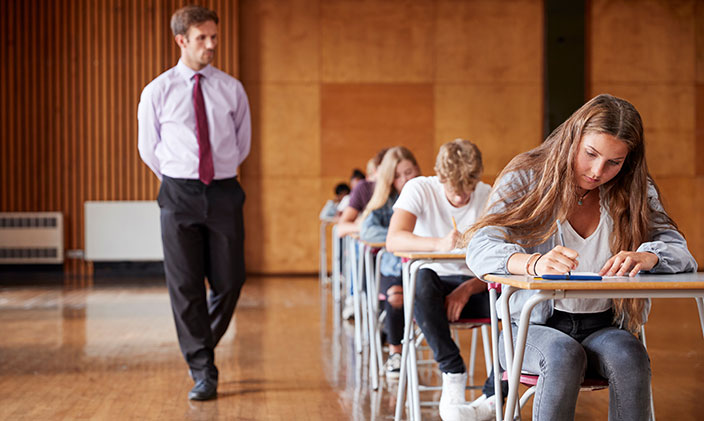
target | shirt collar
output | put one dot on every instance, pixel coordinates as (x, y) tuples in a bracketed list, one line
[(188, 73)]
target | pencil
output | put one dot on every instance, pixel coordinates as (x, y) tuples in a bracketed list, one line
[(454, 223), (559, 232), (562, 238)]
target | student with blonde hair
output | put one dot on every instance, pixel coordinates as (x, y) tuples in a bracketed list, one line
[(424, 220), (396, 169), (590, 176)]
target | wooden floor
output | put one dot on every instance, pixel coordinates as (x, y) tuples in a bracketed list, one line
[(110, 352)]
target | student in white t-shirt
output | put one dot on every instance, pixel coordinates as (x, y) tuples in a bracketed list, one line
[(424, 219)]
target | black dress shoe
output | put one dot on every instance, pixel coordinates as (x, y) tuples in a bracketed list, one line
[(204, 390)]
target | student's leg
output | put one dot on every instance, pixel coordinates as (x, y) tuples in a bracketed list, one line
[(560, 361), (478, 308), (225, 257), (392, 287), (431, 316), (621, 358)]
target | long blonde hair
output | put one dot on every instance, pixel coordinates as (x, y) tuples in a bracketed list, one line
[(385, 175), (529, 210)]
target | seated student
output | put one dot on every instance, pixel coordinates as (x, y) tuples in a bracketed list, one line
[(329, 211), (357, 177), (398, 166), (423, 220), (349, 223), (359, 197), (591, 175)]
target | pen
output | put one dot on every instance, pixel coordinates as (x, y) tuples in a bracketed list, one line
[(454, 223), (573, 277), (562, 238)]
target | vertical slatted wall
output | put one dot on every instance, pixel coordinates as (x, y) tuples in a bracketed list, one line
[(72, 73)]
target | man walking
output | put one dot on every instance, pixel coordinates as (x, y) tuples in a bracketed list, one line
[(194, 132)]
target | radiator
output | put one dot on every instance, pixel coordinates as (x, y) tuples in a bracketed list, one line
[(122, 231), (31, 237)]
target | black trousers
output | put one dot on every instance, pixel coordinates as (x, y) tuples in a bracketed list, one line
[(202, 231), (431, 316), (393, 323)]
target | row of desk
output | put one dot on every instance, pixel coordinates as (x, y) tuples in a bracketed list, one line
[(684, 285)]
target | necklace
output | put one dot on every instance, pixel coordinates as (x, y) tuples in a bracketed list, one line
[(579, 201)]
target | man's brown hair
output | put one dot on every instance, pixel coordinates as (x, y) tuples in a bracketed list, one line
[(187, 16)]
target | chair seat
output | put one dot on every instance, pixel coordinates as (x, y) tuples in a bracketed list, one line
[(470, 323), (587, 384)]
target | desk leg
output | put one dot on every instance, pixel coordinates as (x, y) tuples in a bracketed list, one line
[(410, 268), (375, 301), (371, 319), (323, 255), (506, 293), (412, 369), (515, 373), (495, 349), (346, 271), (361, 269), (356, 279), (335, 265), (700, 307), (407, 326)]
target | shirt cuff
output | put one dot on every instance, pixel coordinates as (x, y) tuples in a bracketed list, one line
[(652, 247)]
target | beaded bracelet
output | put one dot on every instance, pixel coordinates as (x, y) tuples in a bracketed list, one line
[(528, 262)]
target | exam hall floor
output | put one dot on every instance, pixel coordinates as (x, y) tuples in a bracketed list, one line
[(108, 350)]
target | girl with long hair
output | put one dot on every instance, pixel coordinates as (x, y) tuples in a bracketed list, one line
[(398, 166), (590, 176)]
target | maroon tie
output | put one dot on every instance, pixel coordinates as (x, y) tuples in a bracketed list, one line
[(205, 155)]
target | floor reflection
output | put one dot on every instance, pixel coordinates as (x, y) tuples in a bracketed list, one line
[(110, 352)]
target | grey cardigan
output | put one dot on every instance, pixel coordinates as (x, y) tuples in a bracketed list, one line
[(488, 251)]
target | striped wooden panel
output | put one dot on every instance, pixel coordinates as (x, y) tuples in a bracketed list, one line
[(72, 73)]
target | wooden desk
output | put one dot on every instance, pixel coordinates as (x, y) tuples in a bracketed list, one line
[(413, 261), (681, 285)]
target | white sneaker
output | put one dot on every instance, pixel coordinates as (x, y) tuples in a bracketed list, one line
[(393, 367), (453, 406), (485, 408)]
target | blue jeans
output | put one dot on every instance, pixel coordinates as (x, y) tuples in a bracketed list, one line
[(431, 316), (571, 346)]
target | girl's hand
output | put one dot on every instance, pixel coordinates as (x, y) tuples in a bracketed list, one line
[(630, 262), (557, 261), (449, 242)]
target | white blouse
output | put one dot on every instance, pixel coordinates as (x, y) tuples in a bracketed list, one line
[(593, 251)]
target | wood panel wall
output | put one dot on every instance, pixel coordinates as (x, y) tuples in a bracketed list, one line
[(652, 53), (330, 82), (72, 73), (333, 81)]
